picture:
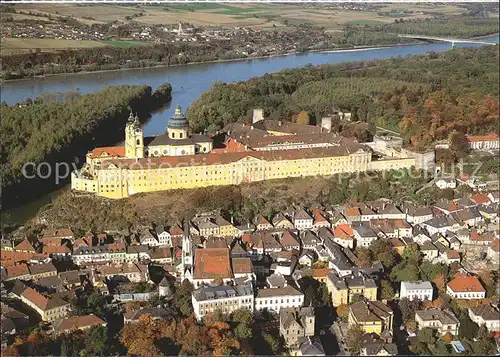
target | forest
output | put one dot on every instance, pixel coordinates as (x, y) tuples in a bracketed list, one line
[(62, 128), (424, 97)]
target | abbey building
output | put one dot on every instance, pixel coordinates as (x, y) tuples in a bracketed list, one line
[(264, 150)]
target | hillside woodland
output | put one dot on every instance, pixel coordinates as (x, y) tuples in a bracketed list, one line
[(425, 97), (59, 127)]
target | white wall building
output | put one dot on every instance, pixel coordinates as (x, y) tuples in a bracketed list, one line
[(486, 315), (273, 299), (224, 298), (421, 290)]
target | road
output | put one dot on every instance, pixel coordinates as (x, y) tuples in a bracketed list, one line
[(379, 128)]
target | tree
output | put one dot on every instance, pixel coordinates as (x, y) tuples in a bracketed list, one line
[(411, 325), (97, 342), (243, 331), (342, 311), (303, 118), (365, 256), (485, 344), (353, 338), (408, 308), (458, 142), (139, 338), (387, 291), (427, 336), (242, 315), (272, 342), (448, 337), (468, 328)]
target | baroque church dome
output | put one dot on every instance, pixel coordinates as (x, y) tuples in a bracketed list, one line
[(178, 120)]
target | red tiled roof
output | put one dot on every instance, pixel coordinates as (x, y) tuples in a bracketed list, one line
[(176, 231), (480, 138), (343, 231), (25, 245), (36, 298), (242, 265), (480, 198), (453, 254), (17, 270), (261, 220), (212, 263), (475, 236), (288, 239), (495, 245), (80, 322), (61, 232), (231, 157), (53, 241), (111, 151), (320, 273), (231, 145), (352, 212), (61, 249), (463, 283), (396, 242)]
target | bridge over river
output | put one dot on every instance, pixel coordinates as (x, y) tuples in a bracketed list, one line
[(445, 39)]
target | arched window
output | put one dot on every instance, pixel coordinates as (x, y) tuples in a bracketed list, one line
[(180, 135), (173, 135), (138, 141)]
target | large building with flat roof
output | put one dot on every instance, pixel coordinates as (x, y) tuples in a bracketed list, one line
[(179, 159)]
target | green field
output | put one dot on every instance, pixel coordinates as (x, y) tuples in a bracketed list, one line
[(364, 22), (223, 9), (125, 43)]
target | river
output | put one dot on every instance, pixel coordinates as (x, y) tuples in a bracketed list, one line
[(189, 82)]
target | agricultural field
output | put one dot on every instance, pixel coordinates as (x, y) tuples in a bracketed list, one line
[(250, 15), (20, 45)]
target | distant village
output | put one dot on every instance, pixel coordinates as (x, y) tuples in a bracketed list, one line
[(244, 41), (260, 264)]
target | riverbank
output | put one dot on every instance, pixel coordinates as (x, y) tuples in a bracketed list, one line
[(331, 50), (159, 65)]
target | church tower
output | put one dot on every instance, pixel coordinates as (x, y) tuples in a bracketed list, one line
[(134, 138), (187, 254), (178, 126)]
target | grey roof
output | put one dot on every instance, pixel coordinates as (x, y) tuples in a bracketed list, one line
[(444, 316), (440, 222), (311, 346), (146, 234), (280, 217), (340, 260), (160, 229), (309, 238), (165, 140), (374, 348), (486, 311), (356, 279), (276, 281), (222, 292), (50, 281), (364, 231), (325, 233), (390, 209), (42, 268), (417, 285), (301, 214)]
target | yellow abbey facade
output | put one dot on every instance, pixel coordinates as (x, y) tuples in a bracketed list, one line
[(265, 150)]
